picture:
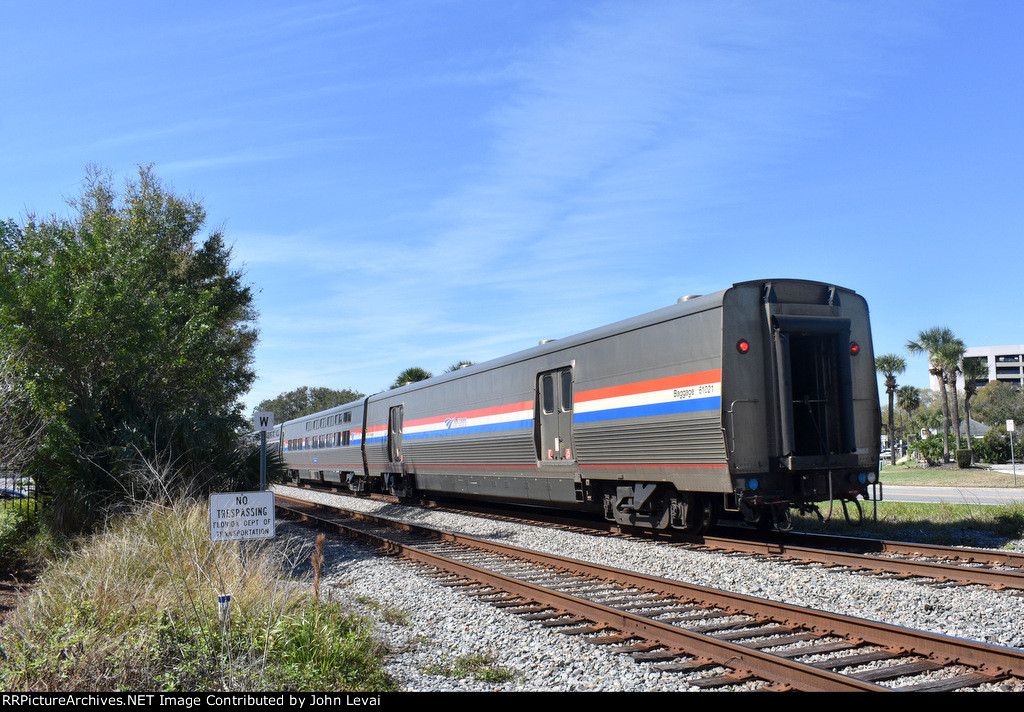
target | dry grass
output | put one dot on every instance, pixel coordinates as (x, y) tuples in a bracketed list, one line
[(136, 608)]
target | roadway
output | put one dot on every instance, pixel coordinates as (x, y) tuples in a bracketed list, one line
[(958, 495)]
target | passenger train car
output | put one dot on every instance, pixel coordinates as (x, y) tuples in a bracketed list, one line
[(747, 402)]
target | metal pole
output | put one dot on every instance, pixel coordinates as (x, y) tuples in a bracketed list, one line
[(1013, 460), (263, 460)]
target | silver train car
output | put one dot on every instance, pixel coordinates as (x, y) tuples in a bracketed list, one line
[(746, 403)]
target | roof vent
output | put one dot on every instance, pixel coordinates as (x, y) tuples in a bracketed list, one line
[(544, 341), (687, 298)]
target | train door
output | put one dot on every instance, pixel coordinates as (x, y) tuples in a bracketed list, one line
[(395, 434), (815, 396), (554, 409)]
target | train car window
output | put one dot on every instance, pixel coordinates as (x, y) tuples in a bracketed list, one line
[(346, 438), (566, 391), (547, 388), (347, 417)]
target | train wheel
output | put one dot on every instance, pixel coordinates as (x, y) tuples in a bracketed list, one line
[(700, 514)]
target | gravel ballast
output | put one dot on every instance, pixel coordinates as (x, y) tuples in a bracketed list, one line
[(431, 628)]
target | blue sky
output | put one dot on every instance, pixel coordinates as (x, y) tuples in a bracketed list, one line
[(411, 183)]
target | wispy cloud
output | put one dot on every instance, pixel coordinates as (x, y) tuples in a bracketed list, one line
[(607, 150), (646, 111), (147, 135)]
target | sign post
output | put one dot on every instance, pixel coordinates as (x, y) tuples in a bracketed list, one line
[(241, 516), (264, 421), (1009, 429)]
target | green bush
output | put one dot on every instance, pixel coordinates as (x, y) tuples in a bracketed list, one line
[(931, 449), (984, 451), (19, 524), (135, 608), (996, 445), (963, 458)]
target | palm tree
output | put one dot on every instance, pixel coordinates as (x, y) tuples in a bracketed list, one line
[(974, 370), (908, 399), (951, 354), (931, 342), (889, 365), (458, 365), (411, 375)]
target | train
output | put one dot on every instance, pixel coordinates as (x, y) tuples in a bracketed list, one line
[(746, 404)]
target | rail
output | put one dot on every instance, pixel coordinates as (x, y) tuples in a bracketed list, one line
[(736, 644)]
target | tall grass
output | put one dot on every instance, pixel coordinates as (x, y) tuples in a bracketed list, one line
[(135, 608), (960, 524)]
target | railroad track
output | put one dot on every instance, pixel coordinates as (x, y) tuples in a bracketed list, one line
[(720, 638), (933, 564), (943, 565)]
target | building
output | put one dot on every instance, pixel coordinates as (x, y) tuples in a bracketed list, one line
[(1005, 363)]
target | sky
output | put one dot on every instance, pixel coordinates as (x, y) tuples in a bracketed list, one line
[(420, 182)]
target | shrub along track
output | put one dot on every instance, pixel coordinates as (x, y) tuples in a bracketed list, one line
[(722, 638)]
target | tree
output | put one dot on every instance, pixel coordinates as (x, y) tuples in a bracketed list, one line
[(458, 365), (951, 354), (411, 375), (931, 342), (22, 429), (998, 402), (974, 370), (138, 339), (908, 399), (889, 365), (305, 401)]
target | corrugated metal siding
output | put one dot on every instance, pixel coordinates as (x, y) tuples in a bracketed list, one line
[(505, 451), (694, 441)]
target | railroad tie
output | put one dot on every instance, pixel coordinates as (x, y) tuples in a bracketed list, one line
[(970, 679), (610, 639)]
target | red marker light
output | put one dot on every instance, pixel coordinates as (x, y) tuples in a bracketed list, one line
[(742, 346), (854, 349)]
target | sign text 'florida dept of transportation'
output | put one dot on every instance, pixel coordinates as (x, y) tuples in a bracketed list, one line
[(237, 516)]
